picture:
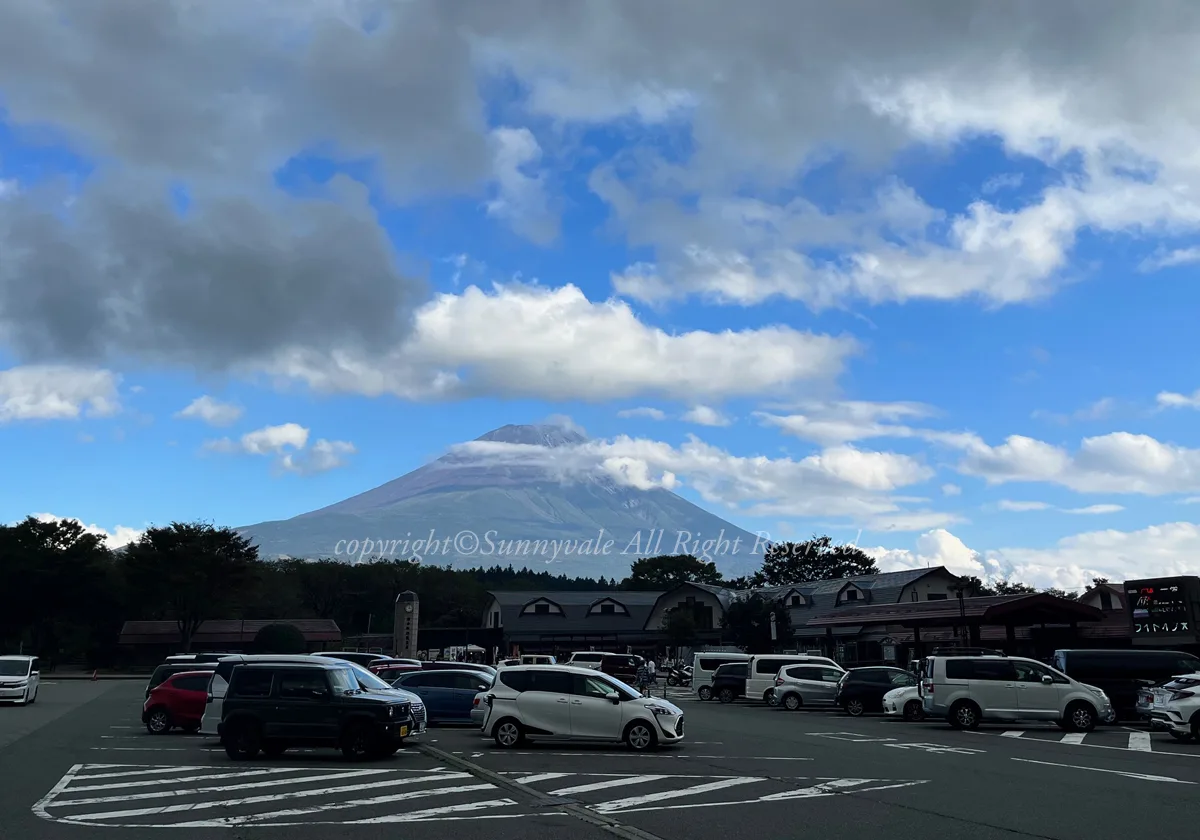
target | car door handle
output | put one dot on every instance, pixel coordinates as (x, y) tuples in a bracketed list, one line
[(577, 702), (563, 700)]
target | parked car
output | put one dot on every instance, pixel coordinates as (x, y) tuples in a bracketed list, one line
[(806, 685), (564, 703), (458, 666), (479, 708), (20, 678), (178, 701), (385, 664), (162, 672), (586, 659), (704, 664), (623, 666), (760, 678), (273, 707), (358, 657), (729, 681), (1124, 674), (1173, 707), (223, 672), (968, 690), (861, 690), (447, 695), (904, 702), (388, 671)]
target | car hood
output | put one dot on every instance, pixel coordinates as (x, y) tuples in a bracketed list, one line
[(407, 695), (897, 693), (377, 697), (1095, 690)]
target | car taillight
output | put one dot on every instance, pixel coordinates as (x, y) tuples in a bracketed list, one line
[(928, 688), (778, 681), (475, 702)]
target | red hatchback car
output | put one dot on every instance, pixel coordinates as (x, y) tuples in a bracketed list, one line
[(178, 701)]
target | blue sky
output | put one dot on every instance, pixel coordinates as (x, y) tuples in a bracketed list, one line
[(361, 246)]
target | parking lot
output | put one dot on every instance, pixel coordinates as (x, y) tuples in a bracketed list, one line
[(79, 763)]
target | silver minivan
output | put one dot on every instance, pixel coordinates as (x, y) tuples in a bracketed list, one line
[(798, 686)]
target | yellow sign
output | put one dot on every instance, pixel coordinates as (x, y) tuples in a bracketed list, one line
[(403, 731)]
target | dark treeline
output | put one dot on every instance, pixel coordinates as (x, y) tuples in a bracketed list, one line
[(66, 595)]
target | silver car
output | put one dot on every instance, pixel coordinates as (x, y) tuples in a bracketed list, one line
[(797, 686)]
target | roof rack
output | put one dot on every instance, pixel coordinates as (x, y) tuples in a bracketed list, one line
[(966, 651)]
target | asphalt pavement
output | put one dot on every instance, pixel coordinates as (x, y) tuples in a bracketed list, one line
[(79, 763)]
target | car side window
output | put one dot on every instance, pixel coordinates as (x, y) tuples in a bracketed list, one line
[(191, 683), (300, 685), (902, 680), (1030, 672), (252, 683), (592, 687), (831, 675), (551, 682), (416, 681), (1000, 670)]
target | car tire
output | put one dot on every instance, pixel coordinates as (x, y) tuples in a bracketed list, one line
[(964, 715), (640, 736), (274, 750), (913, 710), (792, 702), (854, 708), (1182, 737), (726, 695), (244, 742), (705, 693), (1080, 717), (158, 721), (356, 742), (508, 734)]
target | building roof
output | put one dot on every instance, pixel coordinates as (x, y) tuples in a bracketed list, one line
[(232, 631), (990, 609), (574, 620)]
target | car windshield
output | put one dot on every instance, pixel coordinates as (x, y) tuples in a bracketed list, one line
[(343, 680), (14, 667), (367, 680), (624, 686)]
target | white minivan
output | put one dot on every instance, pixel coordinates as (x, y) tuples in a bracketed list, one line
[(760, 676), (703, 666), (20, 677)]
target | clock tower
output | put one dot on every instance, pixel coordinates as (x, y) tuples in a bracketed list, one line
[(408, 610)]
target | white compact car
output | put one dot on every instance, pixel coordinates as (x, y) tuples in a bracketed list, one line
[(562, 703), (904, 702), (1179, 712), (19, 679)]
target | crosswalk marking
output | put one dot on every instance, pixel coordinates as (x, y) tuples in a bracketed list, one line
[(1139, 741), (1012, 733), (1073, 738), (173, 792), (617, 804), (442, 813), (632, 780)]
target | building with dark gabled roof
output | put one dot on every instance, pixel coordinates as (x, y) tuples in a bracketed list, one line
[(564, 621)]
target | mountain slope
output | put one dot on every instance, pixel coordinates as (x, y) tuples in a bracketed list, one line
[(482, 513)]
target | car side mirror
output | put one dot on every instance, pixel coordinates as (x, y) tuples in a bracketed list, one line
[(614, 697), (1047, 679)]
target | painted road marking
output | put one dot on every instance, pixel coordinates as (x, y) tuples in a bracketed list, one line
[(935, 748), (1073, 738), (1012, 733), (1143, 776), (1078, 743), (1139, 741), (671, 755), (850, 736), (149, 796)]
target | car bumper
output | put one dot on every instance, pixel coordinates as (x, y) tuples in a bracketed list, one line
[(12, 692), (670, 728), (478, 716), (398, 728), (890, 709)]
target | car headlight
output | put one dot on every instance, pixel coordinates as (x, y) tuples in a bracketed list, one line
[(391, 711), (660, 710), (21, 684)]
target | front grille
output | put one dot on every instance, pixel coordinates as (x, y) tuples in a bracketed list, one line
[(418, 715), (679, 727)]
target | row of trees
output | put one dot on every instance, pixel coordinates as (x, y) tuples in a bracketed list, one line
[(67, 594)]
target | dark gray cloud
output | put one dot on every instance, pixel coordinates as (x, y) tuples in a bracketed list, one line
[(119, 272)]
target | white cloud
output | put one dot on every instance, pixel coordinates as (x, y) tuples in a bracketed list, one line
[(57, 392), (1020, 507), (951, 490), (999, 183), (1089, 510), (8, 187), (116, 538), (1119, 462), (838, 481), (830, 423), (937, 547), (1095, 510), (1097, 410), (1170, 259), (211, 411), (648, 413), (521, 198), (1169, 399), (703, 415), (530, 341), (287, 446)]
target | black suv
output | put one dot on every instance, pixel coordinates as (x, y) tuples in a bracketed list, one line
[(729, 681), (861, 689), (270, 707)]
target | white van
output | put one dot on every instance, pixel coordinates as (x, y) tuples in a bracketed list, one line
[(586, 659), (703, 665), (760, 676), (20, 677)]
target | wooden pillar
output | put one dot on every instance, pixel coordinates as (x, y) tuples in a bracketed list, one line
[(918, 651), (976, 635), (1010, 639)]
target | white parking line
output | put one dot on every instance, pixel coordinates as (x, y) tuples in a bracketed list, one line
[(1012, 733), (1143, 776), (1139, 741), (707, 787), (1073, 738), (632, 780)]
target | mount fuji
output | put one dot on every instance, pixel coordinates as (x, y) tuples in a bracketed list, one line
[(466, 509)]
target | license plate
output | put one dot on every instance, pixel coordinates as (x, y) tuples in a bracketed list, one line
[(403, 731)]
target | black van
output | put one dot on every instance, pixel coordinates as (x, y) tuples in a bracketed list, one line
[(1121, 673)]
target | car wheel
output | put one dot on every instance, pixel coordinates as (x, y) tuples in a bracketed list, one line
[(1081, 717), (639, 736), (705, 693), (964, 715), (913, 710), (508, 734), (792, 702), (356, 742), (244, 742), (854, 708), (726, 695), (158, 722), (1182, 737)]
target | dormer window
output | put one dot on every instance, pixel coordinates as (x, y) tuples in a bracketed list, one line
[(795, 599), (608, 606), (851, 594), (1106, 602), (541, 606)]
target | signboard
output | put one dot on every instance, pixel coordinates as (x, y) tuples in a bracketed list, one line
[(1163, 607)]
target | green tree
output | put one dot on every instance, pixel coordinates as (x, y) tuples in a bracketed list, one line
[(1061, 593), (190, 572), (280, 638), (679, 625), (747, 623), (666, 571), (815, 559), (1009, 587), (975, 587)]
